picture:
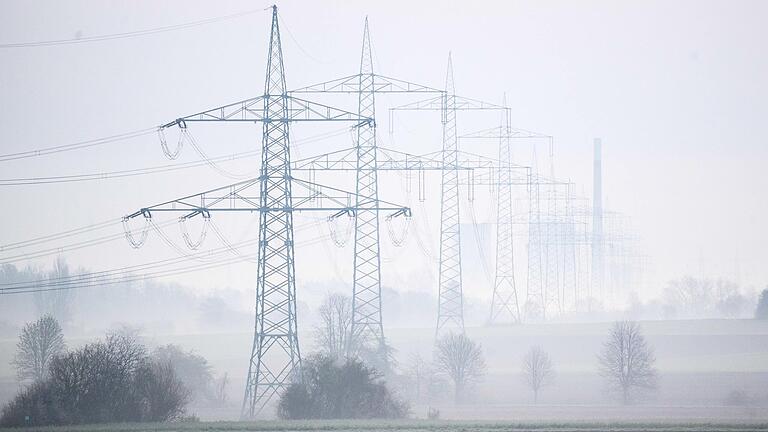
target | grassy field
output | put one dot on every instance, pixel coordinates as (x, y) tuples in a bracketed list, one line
[(700, 363), (405, 426)]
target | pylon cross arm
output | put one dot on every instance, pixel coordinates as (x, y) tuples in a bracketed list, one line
[(380, 84), (460, 103), (244, 196), (257, 110)]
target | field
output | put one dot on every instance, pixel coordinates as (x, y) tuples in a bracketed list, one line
[(700, 363), (408, 426)]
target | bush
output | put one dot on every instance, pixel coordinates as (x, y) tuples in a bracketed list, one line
[(111, 381), (33, 406), (192, 369), (334, 389)]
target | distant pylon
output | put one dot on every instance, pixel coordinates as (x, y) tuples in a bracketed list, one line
[(570, 294), (598, 263), (275, 331), (504, 302), (534, 294), (450, 302), (366, 288)]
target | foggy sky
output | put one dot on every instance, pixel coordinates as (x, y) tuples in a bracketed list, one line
[(676, 90)]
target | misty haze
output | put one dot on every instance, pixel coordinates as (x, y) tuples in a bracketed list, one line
[(384, 215)]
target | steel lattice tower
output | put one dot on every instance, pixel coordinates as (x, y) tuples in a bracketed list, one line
[(366, 288), (504, 302), (450, 302), (535, 301), (598, 263), (569, 296), (275, 330)]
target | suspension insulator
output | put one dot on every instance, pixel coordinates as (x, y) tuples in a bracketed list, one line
[(340, 237), (172, 155), (136, 242), (398, 239), (194, 245)]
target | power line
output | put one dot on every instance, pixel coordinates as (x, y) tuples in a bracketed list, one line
[(87, 282), (198, 256), (124, 274), (105, 175), (77, 145), (68, 247), (131, 34), (123, 173), (60, 235)]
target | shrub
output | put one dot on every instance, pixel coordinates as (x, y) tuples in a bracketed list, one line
[(334, 389), (35, 405), (111, 381)]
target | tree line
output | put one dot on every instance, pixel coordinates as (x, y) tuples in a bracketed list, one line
[(116, 379)]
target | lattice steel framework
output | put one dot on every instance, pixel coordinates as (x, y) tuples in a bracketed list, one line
[(505, 300), (598, 262), (450, 313), (535, 300), (366, 286), (275, 356), (367, 323)]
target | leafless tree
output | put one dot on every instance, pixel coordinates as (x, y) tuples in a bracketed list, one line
[(161, 394), (627, 362), (39, 342), (192, 369), (332, 335), (461, 359), (221, 388), (125, 348), (418, 369), (55, 302), (537, 370), (427, 383)]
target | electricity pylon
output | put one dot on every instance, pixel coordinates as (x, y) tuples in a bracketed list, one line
[(366, 286), (367, 325), (598, 243), (450, 315), (505, 300), (275, 356), (450, 312)]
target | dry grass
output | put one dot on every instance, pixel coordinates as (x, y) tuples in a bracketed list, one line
[(405, 426)]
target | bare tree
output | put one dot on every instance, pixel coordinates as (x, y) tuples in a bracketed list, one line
[(427, 383), (332, 335), (418, 368), (627, 362), (221, 388), (537, 370), (161, 394), (39, 342), (192, 369), (461, 359), (55, 302)]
